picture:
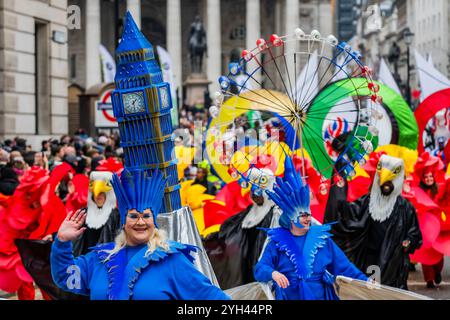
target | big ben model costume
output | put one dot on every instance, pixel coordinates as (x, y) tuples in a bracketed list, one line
[(142, 105)]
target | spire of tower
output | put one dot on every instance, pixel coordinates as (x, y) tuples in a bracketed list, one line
[(132, 38), (135, 58)]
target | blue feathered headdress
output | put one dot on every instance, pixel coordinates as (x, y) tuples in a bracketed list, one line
[(291, 195), (137, 190)]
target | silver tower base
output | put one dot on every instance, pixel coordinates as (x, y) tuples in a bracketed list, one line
[(180, 226)]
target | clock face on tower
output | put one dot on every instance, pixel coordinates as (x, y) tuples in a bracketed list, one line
[(133, 102), (164, 94)]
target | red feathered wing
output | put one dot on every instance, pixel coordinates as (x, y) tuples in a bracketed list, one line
[(228, 202)]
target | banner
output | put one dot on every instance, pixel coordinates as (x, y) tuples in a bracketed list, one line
[(431, 80), (166, 67), (385, 76), (108, 65), (340, 71)]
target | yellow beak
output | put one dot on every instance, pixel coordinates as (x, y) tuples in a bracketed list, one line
[(386, 175), (100, 186)]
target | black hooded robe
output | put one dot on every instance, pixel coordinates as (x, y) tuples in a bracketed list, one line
[(367, 242), (234, 251)]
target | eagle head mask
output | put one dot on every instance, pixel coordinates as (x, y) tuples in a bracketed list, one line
[(98, 212), (386, 187)]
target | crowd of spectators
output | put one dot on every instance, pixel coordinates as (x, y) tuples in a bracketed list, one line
[(80, 151), (84, 153)]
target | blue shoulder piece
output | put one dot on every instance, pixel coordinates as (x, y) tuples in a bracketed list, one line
[(142, 260), (120, 270), (316, 238), (285, 243), (115, 267), (185, 249)]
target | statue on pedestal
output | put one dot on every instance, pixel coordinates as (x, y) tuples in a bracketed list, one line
[(197, 45)]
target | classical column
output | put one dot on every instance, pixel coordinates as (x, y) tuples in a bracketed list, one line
[(292, 21), (278, 17), (253, 33), (134, 6), (214, 40), (292, 11), (326, 19), (93, 73), (174, 42)]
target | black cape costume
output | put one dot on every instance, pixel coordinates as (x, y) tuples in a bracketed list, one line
[(35, 255), (367, 242), (234, 251)]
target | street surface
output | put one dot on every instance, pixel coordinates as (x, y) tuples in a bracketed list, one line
[(415, 283)]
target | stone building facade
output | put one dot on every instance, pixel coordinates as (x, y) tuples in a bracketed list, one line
[(428, 20), (33, 69), (44, 65), (431, 25), (229, 25)]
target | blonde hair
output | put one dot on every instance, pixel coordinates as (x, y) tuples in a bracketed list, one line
[(157, 240)]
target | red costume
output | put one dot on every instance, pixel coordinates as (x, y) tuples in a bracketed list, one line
[(78, 199), (429, 202), (32, 212)]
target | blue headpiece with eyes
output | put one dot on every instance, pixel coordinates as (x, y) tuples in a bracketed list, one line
[(291, 195), (137, 190)]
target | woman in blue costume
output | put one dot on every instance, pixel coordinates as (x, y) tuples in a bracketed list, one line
[(301, 259), (141, 264)]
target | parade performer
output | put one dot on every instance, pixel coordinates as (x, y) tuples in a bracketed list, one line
[(429, 175), (18, 220), (427, 170), (380, 228), (301, 259), (236, 248), (33, 212), (102, 225), (141, 263), (206, 179), (102, 219), (78, 195)]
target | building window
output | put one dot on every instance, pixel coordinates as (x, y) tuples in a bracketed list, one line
[(42, 77), (73, 66)]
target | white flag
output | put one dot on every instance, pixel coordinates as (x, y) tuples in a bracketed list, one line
[(108, 65), (166, 68), (307, 86), (430, 59), (243, 83), (385, 76), (431, 80), (339, 70)]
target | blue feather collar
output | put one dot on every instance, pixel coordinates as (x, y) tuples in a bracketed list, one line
[(316, 238), (123, 274)]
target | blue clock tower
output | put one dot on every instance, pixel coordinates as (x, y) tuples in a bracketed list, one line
[(142, 104)]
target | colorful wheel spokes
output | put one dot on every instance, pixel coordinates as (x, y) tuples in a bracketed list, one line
[(283, 76)]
